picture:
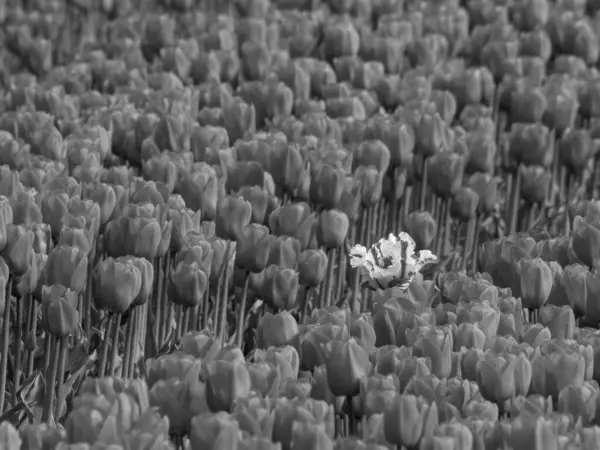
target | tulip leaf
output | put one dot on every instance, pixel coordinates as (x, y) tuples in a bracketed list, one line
[(32, 397), (71, 385)]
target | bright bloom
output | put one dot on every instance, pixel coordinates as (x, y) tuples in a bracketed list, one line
[(390, 262)]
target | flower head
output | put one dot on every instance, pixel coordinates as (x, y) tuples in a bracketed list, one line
[(390, 262)]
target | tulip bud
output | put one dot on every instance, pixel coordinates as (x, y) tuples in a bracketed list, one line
[(254, 247), (116, 285), (446, 174), (536, 282), (327, 185), (312, 267), (436, 345), (535, 182), (188, 284), (277, 331), (233, 214), (347, 364), (226, 383), (579, 401), (19, 249), (200, 190), (408, 420), (559, 320), (575, 149), (332, 228), (464, 204), (280, 287), (529, 144), (431, 135), (67, 266), (486, 188), (59, 310), (496, 378), (422, 228)]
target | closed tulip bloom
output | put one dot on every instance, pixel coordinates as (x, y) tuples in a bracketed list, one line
[(559, 320), (332, 228), (347, 364), (469, 336), (408, 420), (327, 185), (116, 285), (280, 287), (67, 266), (226, 383), (529, 144), (19, 248), (579, 401), (486, 188), (586, 243), (536, 282), (575, 149), (446, 171), (146, 269), (188, 284), (200, 190), (464, 204), (496, 377), (553, 372), (535, 182), (254, 247), (284, 252), (106, 198), (312, 267), (233, 214), (59, 310), (431, 135), (277, 330), (436, 345), (213, 431), (422, 227)]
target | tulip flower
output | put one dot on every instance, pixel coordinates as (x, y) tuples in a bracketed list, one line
[(529, 144), (67, 266), (586, 243), (390, 262), (280, 287), (553, 372), (559, 320), (116, 285), (188, 284), (19, 248), (214, 431), (59, 310), (284, 252), (408, 420), (535, 182), (575, 149), (579, 401), (464, 205), (226, 382), (254, 247), (312, 267), (422, 227), (332, 228), (327, 185), (536, 282), (347, 364), (277, 330), (496, 377), (446, 173)]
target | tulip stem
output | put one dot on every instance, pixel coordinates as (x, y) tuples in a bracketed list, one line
[(515, 200), (128, 347), (50, 383), (424, 183), (5, 341), (224, 301), (341, 275), (331, 276), (242, 312), (157, 302), (63, 344), (115, 344), (32, 333), (18, 349), (104, 357), (167, 313)]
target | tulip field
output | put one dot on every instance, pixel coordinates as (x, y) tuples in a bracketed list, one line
[(299, 224)]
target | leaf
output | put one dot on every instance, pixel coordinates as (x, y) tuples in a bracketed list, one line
[(73, 381), (31, 395)]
